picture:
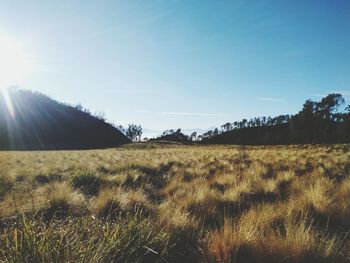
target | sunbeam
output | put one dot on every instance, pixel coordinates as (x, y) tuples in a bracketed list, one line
[(8, 102)]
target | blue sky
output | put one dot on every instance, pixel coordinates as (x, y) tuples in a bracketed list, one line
[(191, 64)]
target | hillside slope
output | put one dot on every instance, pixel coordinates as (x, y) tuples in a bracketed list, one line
[(324, 121), (33, 121)]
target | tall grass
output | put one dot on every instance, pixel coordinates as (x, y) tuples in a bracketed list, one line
[(173, 203), (131, 239)]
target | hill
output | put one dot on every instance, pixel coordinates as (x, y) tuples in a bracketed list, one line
[(325, 121), (173, 136), (33, 121)]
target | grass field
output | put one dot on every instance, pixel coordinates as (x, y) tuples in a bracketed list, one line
[(175, 203)]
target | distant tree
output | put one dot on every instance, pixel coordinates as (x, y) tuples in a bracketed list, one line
[(193, 136), (256, 122), (326, 115), (207, 135), (329, 105), (168, 132), (226, 127), (250, 123), (319, 122), (134, 132), (325, 121), (269, 121), (100, 115), (281, 119), (121, 129), (79, 107), (139, 132), (302, 124)]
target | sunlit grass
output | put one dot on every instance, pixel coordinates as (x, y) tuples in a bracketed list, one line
[(173, 203)]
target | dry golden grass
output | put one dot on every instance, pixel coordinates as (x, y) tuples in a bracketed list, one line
[(182, 203)]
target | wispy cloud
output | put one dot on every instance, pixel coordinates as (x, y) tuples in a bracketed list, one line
[(271, 99), (193, 114)]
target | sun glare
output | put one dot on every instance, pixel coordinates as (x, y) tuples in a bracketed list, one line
[(15, 66)]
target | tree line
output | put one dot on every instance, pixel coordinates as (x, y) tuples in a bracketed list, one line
[(133, 131), (325, 121)]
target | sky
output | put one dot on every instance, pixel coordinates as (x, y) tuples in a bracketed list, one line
[(169, 63)]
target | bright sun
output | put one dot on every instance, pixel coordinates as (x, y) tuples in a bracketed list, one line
[(15, 66)]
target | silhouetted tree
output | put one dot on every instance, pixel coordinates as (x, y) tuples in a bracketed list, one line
[(215, 132), (207, 135), (329, 105), (100, 115), (168, 132), (78, 107), (172, 135), (226, 127), (193, 136), (121, 129), (317, 122), (134, 132)]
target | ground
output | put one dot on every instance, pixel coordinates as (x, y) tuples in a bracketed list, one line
[(153, 202)]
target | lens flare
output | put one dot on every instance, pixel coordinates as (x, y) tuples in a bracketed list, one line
[(8, 102)]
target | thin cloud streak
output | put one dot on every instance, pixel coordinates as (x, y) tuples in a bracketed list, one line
[(271, 99), (193, 114)]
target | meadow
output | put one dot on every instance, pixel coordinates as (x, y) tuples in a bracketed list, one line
[(152, 202)]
